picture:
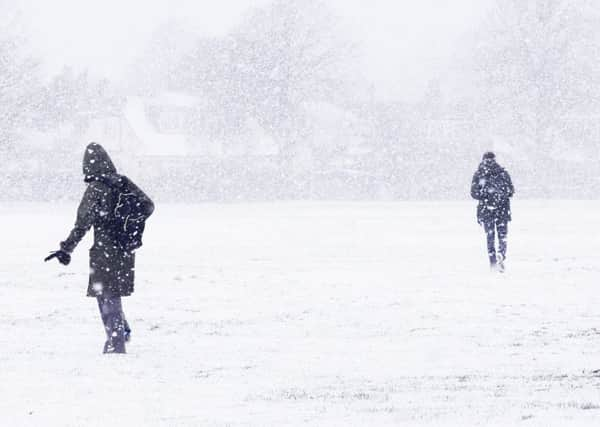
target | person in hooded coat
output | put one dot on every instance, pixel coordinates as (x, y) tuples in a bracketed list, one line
[(493, 188), (112, 268)]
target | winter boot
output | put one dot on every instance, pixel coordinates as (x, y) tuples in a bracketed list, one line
[(501, 263), (114, 346)]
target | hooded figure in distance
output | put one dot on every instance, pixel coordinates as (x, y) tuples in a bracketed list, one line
[(492, 186), (111, 266)]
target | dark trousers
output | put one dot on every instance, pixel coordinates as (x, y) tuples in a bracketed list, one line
[(115, 325), (491, 228)]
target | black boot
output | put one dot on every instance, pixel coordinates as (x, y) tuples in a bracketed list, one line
[(114, 345)]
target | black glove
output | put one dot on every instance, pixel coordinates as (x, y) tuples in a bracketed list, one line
[(63, 257)]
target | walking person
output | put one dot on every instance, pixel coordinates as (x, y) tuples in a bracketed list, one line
[(117, 209), (492, 186)]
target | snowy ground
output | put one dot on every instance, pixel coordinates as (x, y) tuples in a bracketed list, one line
[(310, 313)]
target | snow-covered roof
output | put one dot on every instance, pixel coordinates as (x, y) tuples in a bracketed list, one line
[(152, 142), (172, 99)]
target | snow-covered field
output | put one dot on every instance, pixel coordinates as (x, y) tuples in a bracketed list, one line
[(310, 313)]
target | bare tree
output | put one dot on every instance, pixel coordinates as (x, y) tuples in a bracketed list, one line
[(537, 64), (270, 67), (159, 66), (19, 83), (289, 53), (77, 98)]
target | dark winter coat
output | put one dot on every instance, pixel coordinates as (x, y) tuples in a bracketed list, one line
[(111, 268), (493, 188)]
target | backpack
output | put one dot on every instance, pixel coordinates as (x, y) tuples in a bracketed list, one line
[(496, 188), (130, 213)]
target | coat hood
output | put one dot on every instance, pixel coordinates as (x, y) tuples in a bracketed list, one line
[(97, 163)]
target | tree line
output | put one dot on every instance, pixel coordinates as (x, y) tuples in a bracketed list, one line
[(524, 83)]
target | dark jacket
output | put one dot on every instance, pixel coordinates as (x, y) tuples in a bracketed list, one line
[(111, 268), (493, 188)]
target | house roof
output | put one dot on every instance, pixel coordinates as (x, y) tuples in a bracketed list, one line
[(173, 99), (152, 142)]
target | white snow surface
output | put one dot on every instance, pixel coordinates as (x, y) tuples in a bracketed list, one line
[(327, 314)]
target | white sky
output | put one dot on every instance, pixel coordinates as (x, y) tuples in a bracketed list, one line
[(405, 41)]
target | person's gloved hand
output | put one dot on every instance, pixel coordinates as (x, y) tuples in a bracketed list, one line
[(63, 257)]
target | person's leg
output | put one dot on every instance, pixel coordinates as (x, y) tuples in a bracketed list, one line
[(111, 312), (502, 236), (103, 314), (490, 232)]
